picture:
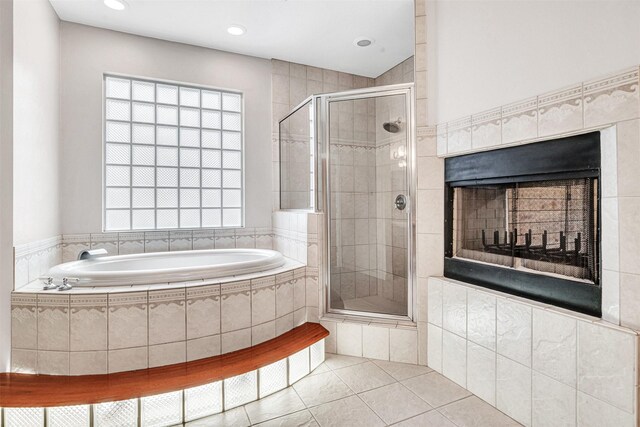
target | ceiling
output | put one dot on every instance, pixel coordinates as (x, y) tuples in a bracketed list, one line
[(312, 32)]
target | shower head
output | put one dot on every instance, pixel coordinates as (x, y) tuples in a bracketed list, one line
[(392, 127)]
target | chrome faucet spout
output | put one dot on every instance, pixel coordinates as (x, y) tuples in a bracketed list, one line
[(66, 285), (47, 283)]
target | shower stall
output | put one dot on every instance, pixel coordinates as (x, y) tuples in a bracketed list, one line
[(351, 156)]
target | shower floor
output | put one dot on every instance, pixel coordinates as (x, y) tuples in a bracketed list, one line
[(372, 304)]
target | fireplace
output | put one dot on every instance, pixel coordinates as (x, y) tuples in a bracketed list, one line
[(526, 220)]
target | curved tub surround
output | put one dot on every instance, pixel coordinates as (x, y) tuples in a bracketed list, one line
[(113, 329), (169, 395), (157, 267)]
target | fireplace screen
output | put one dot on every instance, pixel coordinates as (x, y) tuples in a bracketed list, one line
[(548, 227)]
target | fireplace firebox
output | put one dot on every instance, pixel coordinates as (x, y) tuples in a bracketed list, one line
[(526, 220)]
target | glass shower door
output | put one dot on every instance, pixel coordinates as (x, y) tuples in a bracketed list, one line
[(369, 170)]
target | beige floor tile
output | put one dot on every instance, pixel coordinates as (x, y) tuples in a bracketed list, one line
[(429, 419), (284, 402), (475, 412), (338, 361), (364, 376), (394, 403), (298, 419), (402, 371), (318, 389), (347, 412), (435, 389)]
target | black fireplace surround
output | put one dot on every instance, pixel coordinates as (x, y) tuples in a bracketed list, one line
[(572, 242)]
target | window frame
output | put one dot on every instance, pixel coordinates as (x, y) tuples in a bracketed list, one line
[(130, 209)]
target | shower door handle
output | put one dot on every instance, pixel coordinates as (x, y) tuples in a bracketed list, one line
[(401, 202)]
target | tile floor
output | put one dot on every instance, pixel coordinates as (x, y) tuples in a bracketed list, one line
[(354, 391)]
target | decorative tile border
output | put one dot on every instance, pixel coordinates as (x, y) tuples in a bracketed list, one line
[(594, 103)]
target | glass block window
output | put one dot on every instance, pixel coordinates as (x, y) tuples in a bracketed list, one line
[(173, 156)]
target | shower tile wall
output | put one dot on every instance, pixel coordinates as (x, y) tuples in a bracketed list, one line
[(290, 84), (353, 200)]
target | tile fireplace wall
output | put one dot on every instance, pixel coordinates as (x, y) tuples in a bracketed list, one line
[(540, 364)]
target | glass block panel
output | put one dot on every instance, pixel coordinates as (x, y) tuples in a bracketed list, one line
[(167, 94), (68, 416), (211, 99), (190, 198), (167, 156), (189, 218), (211, 198), (189, 137), (118, 132), (118, 154), (232, 141), (189, 177), (117, 220), (167, 135), (211, 218), (211, 178), (231, 102), (143, 176), (240, 389), (232, 198), (232, 160), (231, 121), (116, 414), (167, 115), (189, 117), (211, 119), (144, 219), (117, 176), (167, 219), (273, 378), (143, 134), (167, 177), (143, 113), (203, 401), (211, 159), (231, 179), (117, 198), (190, 157), (232, 218), (143, 91), (317, 354), (298, 365), (143, 155), (210, 138), (162, 409), (118, 110), (23, 417), (144, 197), (118, 88), (189, 97), (167, 197)]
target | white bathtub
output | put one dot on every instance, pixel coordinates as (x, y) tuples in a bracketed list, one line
[(164, 267)]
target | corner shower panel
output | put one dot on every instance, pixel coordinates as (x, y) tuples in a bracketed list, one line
[(369, 168), (350, 155)]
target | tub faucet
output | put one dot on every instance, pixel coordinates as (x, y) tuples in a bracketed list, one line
[(66, 286), (92, 253), (47, 283)]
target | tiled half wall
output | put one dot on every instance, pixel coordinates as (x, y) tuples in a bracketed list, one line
[(94, 332)]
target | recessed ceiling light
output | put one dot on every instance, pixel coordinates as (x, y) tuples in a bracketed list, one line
[(115, 4), (236, 30), (363, 42)]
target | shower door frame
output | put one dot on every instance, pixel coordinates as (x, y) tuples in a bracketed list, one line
[(322, 112)]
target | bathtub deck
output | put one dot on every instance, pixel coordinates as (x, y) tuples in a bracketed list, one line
[(26, 390)]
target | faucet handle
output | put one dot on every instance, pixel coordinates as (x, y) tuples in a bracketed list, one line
[(65, 286), (47, 283)]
